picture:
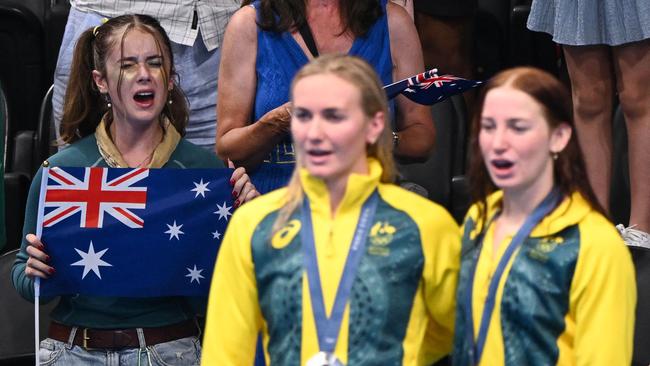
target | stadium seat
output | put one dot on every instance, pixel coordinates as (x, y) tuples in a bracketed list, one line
[(3, 143), (620, 189), (447, 159), (502, 39), (490, 41), (21, 67), (17, 319), (31, 147), (531, 48), (641, 355), (45, 134), (16, 190)]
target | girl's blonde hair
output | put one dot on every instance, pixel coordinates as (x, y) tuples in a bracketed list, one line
[(373, 99)]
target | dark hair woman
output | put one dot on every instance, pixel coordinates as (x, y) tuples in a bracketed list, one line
[(267, 42)]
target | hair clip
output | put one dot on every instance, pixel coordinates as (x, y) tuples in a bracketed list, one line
[(96, 29)]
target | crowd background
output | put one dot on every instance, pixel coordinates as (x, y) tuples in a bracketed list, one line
[(493, 36)]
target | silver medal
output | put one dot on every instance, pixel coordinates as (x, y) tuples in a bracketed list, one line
[(324, 359)]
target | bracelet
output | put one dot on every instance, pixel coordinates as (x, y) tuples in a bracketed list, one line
[(395, 139)]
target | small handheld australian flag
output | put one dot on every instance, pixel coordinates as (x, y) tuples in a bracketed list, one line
[(133, 232), (429, 88)]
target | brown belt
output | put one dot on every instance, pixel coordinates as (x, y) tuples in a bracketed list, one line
[(122, 338)]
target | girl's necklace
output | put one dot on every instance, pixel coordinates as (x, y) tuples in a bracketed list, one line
[(146, 160)]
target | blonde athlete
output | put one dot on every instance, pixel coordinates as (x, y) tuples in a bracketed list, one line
[(342, 266)]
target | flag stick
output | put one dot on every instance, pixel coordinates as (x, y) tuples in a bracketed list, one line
[(392, 90), (37, 280)]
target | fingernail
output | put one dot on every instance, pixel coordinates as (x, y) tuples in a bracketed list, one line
[(51, 270), (235, 194), (232, 182), (47, 258), (237, 203)]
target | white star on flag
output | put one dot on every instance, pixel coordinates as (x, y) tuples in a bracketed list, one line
[(200, 188), (91, 261), (174, 230), (216, 235), (195, 274), (223, 211)]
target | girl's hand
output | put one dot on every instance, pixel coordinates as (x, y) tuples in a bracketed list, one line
[(37, 263), (243, 189)]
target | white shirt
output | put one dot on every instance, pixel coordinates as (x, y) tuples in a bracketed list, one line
[(175, 17)]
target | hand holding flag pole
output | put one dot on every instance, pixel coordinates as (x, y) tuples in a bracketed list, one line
[(429, 88), (37, 280)]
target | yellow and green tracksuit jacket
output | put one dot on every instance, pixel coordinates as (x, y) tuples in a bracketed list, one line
[(566, 297), (401, 306)]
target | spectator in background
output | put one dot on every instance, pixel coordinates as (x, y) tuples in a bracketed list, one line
[(545, 278), (264, 46), (607, 49), (446, 31), (123, 108), (196, 30), (340, 204)]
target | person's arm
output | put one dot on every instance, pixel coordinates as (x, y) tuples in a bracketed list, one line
[(234, 317), (415, 127), (603, 299), (407, 4), (243, 142), (32, 250), (441, 246)]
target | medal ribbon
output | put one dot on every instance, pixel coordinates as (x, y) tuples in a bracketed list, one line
[(543, 209), (328, 328)]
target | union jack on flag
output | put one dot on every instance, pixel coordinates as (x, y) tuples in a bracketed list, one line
[(429, 88), (133, 232), (94, 195)]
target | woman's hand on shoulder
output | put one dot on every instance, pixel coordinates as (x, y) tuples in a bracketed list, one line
[(37, 262), (243, 189)]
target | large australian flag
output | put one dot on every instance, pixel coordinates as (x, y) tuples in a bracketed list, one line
[(429, 88), (133, 232)]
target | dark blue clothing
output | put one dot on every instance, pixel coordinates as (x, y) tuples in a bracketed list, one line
[(279, 57)]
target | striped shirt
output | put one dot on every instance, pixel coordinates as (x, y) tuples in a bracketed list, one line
[(181, 19)]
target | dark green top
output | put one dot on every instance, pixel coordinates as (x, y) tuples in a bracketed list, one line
[(109, 312)]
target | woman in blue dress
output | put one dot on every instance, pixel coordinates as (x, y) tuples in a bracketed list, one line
[(267, 42)]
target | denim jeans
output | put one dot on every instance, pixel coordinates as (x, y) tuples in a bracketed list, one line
[(181, 352)]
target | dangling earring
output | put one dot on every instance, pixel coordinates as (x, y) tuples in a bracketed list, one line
[(555, 155), (169, 101), (107, 98)]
